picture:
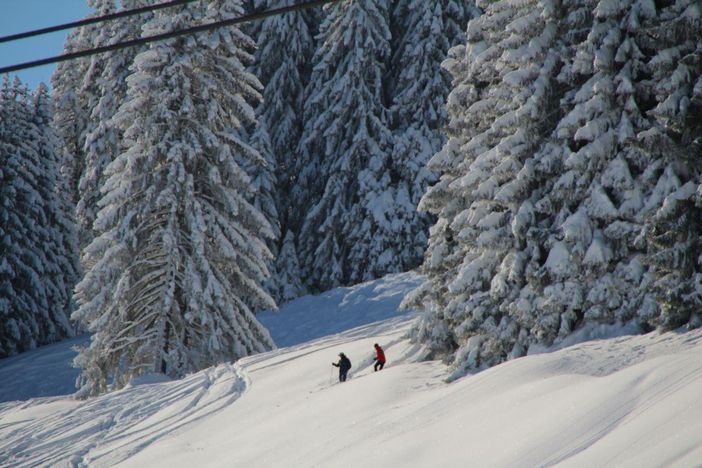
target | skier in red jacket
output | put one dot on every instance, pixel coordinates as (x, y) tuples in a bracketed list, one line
[(379, 357)]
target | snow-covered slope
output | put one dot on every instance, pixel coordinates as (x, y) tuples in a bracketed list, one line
[(624, 401)]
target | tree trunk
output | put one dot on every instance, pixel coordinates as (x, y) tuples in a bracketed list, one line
[(164, 365)]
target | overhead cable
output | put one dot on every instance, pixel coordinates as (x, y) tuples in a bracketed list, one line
[(93, 20), (169, 35)]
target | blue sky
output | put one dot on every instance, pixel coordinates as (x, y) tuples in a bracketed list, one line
[(23, 15)]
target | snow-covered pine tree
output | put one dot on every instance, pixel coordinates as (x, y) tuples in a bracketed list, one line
[(75, 94), (313, 18), (503, 106), (62, 270), (102, 139), (411, 21), (602, 185), (266, 197), (675, 233), (19, 328), (344, 176), (33, 299), (287, 284), (282, 62), (182, 253), (618, 158), (423, 33), (676, 257)]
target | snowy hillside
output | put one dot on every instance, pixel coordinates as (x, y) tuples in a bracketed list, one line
[(624, 401)]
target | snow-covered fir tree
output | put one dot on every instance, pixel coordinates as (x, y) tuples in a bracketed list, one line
[(551, 176), (677, 257), (102, 139), (675, 233), (282, 61), (501, 108), (36, 268), (18, 267), (603, 185), (287, 284), (265, 198), (423, 33), (75, 94), (62, 270), (182, 254), (344, 177)]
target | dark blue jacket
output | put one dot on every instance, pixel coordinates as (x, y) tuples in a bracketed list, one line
[(344, 364)]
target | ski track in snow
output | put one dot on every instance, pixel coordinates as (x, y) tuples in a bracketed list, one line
[(645, 391), (103, 431), (83, 432), (639, 375), (638, 404), (631, 401)]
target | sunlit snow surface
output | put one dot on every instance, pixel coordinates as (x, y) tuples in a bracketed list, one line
[(625, 401)]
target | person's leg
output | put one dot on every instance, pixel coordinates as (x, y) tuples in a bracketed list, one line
[(342, 376), (381, 365), (375, 367)]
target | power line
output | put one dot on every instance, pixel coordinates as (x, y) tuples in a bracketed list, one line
[(168, 35), (93, 20)]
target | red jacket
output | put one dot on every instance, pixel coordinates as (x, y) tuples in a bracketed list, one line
[(379, 354)]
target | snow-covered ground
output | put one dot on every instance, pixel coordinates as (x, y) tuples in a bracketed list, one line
[(624, 401)]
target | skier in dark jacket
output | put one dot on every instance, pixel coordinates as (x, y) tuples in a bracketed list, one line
[(344, 365), (379, 358)]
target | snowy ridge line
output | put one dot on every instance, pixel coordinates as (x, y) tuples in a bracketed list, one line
[(146, 413), (621, 353), (642, 401), (634, 356)]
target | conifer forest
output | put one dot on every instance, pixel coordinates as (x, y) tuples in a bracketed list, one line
[(538, 161)]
